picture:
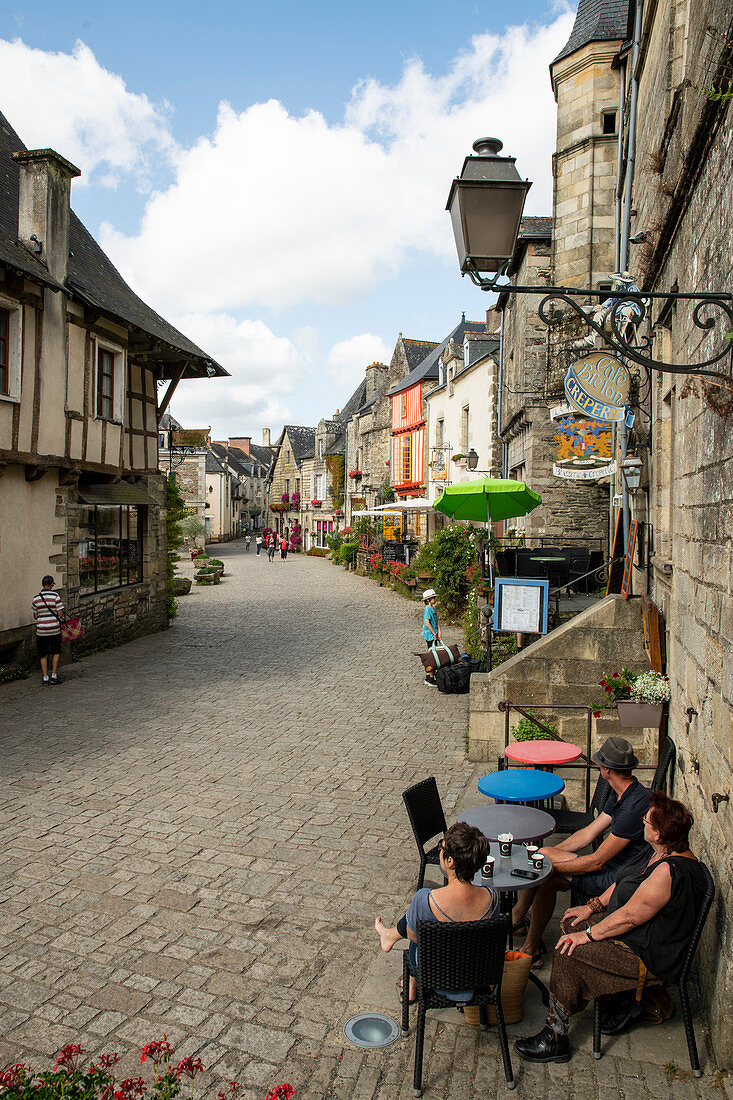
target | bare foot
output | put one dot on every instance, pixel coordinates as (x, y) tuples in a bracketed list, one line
[(388, 937)]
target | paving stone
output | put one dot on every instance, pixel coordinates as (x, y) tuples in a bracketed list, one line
[(213, 860)]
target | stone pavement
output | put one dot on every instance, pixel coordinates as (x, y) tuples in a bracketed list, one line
[(198, 828)]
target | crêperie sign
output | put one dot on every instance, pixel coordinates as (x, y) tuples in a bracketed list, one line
[(598, 386)]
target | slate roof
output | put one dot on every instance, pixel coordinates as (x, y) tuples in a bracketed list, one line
[(597, 21), (428, 365), (264, 455), (213, 466), (91, 276), (238, 462), (492, 350), (354, 403), (302, 440), (168, 422), (417, 350), (535, 228)]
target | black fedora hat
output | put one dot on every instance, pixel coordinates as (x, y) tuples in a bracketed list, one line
[(617, 754)]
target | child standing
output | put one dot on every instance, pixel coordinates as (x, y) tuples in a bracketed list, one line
[(430, 627)]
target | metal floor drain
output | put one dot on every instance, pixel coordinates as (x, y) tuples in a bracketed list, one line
[(371, 1029)]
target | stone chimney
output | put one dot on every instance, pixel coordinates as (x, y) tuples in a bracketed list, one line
[(241, 441), (266, 437), (376, 376), (44, 192)]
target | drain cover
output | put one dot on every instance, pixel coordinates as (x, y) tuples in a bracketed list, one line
[(371, 1029)]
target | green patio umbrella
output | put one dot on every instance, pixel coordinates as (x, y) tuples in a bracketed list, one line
[(487, 500)]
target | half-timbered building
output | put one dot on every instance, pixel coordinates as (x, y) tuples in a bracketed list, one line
[(82, 359)]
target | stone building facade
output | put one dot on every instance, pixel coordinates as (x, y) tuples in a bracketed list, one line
[(531, 390), (681, 194)]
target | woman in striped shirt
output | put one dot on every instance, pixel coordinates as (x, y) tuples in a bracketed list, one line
[(48, 611)]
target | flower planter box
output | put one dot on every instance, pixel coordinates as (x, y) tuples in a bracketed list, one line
[(633, 715)]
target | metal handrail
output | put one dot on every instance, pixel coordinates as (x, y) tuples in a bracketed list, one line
[(507, 707)]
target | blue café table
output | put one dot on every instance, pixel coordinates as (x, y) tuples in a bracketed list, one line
[(520, 785)]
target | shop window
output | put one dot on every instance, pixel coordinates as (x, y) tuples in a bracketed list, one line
[(110, 546), (10, 350)]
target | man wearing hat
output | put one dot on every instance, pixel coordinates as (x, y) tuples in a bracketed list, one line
[(593, 873), (430, 628)]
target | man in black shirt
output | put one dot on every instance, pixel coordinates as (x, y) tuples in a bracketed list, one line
[(593, 873)]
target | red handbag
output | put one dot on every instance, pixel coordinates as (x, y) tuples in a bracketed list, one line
[(71, 629)]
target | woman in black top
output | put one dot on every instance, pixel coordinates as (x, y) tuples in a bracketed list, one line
[(638, 929)]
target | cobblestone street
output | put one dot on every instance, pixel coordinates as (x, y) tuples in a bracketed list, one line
[(198, 829)]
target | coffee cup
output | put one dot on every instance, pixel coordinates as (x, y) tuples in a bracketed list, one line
[(487, 871), (531, 849), (505, 844), (537, 860)]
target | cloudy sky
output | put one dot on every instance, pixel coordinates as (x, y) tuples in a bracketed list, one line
[(272, 178)]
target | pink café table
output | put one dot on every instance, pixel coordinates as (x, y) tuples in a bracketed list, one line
[(542, 753)]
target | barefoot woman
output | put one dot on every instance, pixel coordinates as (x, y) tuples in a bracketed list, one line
[(462, 853)]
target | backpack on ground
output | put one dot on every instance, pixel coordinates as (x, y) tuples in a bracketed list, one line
[(456, 679)]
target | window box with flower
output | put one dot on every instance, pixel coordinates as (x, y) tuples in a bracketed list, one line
[(356, 474), (639, 698), (316, 503)]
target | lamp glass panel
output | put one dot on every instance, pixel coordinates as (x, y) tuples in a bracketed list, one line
[(491, 218)]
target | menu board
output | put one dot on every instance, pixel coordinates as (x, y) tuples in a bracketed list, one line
[(521, 605), (393, 551)]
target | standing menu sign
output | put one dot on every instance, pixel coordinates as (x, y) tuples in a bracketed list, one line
[(393, 551), (520, 605)]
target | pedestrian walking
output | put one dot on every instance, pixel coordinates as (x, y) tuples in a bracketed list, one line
[(271, 547), (283, 548), (430, 628), (247, 542), (48, 611), (258, 543)]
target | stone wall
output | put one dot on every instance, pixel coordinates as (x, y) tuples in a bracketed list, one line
[(683, 198)]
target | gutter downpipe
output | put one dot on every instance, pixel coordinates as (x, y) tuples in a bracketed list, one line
[(500, 397), (626, 219), (617, 242)]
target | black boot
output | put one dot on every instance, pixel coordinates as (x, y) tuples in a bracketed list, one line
[(617, 1012), (544, 1047)]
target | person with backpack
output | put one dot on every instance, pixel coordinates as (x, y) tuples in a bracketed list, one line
[(48, 611)]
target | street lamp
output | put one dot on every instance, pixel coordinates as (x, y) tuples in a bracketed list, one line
[(486, 203), (472, 459), (631, 472)]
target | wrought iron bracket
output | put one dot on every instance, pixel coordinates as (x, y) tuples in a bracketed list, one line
[(712, 310)]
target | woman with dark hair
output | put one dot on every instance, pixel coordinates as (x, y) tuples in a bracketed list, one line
[(637, 930), (463, 851)]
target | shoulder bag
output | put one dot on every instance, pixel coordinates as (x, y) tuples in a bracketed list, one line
[(71, 629)]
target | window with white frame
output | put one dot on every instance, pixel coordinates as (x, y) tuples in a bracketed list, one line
[(110, 380), (10, 349)]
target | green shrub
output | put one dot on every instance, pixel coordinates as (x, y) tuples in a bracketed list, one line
[(175, 514), (527, 730), (347, 552), (449, 557)]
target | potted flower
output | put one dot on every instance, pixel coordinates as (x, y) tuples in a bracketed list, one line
[(649, 692), (295, 501), (316, 503), (355, 473), (285, 498), (458, 458)]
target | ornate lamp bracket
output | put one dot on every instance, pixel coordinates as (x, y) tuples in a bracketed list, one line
[(712, 310)]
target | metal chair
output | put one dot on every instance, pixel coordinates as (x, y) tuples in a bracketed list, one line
[(425, 811), (457, 957), (681, 984), (578, 565), (667, 756)]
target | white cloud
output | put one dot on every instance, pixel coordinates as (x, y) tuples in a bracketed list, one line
[(69, 102), (274, 210), (346, 360), (264, 368)]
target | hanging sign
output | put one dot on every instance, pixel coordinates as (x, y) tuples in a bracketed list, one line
[(583, 447), (438, 464), (598, 386)]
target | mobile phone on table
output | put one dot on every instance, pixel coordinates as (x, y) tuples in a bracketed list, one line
[(519, 873)]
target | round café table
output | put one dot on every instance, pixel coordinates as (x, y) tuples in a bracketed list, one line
[(520, 785), (503, 880), (525, 823), (542, 753)]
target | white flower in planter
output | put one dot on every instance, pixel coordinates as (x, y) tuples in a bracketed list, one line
[(651, 687)]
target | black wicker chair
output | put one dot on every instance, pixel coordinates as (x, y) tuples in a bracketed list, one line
[(469, 955), (569, 821), (681, 984), (667, 756), (425, 811)]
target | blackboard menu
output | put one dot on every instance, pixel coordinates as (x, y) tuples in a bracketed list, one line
[(393, 551)]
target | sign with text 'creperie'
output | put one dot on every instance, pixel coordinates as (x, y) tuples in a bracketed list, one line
[(598, 386)]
